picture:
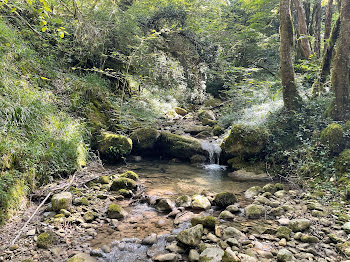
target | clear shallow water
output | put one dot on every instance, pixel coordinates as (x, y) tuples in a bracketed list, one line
[(166, 178)]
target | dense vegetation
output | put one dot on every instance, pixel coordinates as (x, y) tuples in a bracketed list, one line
[(72, 70)]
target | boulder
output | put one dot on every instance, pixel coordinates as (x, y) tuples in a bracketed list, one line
[(252, 192), (183, 201), (342, 163), (225, 199), (191, 236), (82, 257), (164, 205), (114, 147), (212, 254), (115, 211), (200, 202), (61, 201), (254, 211), (144, 140), (299, 225), (123, 183), (181, 147), (244, 140), (333, 136)]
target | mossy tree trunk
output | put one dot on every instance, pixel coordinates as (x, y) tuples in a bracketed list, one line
[(304, 41), (291, 98), (318, 87), (341, 69), (328, 24), (316, 21)]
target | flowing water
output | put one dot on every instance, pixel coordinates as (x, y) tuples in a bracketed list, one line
[(164, 179)]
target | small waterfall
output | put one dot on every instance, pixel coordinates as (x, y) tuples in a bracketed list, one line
[(214, 151)]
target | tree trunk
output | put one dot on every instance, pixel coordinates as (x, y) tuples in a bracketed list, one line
[(328, 24), (304, 41), (318, 86), (291, 98), (341, 68), (307, 8), (317, 16)]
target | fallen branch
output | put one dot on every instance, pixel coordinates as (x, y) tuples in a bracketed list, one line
[(31, 217)]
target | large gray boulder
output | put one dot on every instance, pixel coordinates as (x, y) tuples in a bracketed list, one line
[(191, 236), (211, 254)]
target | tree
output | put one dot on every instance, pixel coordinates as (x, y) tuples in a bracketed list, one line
[(291, 98), (341, 69), (304, 41), (316, 21), (328, 24)]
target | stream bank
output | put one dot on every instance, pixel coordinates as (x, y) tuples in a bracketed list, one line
[(186, 219)]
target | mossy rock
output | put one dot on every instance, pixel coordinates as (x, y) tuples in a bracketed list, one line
[(254, 211), (61, 201), (104, 180), (245, 140), (180, 111), (225, 199), (114, 147), (115, 211), (333, 137), (197, 159), (206, 114), (144, 140), (284, 232), (82, 257), (46, 240), (218, 130), (131, 175), (207, 221), (123, 183), (90, 216), (181, 147), (125, 193), (342, 163)]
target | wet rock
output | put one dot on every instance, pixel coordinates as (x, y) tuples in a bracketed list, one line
[(183, 201), (252, 192), (225, 199), (193, 255), (82, 257), (254, 211), (232, 232), (211, 255), (150, 240), (166, 257), (207, 221), (46, 240), (123, 183), (191, 236), (61, 201), (284, 232), (200, 202), (284, 255), (164, 205), (226, 215), (299, 225), (116, 212)]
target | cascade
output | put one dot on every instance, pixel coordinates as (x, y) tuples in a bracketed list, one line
[(214, 151)]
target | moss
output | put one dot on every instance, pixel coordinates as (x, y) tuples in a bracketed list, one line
[(342, 163), (84, 201), (207, 221), (131, 175), (115, 211), (125, 193), (333, 136), (104, 180), (206, 114), (225, 199), (114, 147), (123, 183), (144, 139), (245, 140), (283, 232), (181, 147), (218, 130), (46, 240), (61, 201)]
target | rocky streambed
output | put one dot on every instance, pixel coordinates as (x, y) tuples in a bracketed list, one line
[(201, 215)]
